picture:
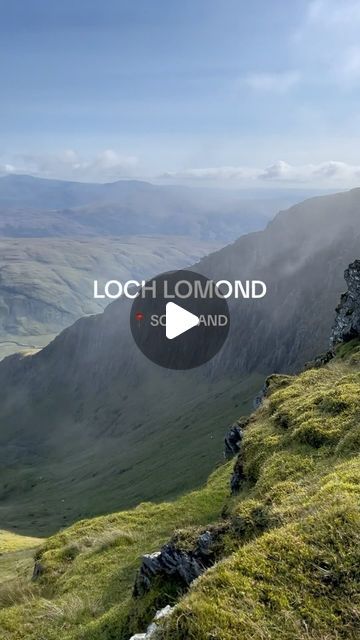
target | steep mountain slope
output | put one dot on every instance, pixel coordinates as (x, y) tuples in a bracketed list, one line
[(88, 425), (301, 255), (284, 548), (47, 283)]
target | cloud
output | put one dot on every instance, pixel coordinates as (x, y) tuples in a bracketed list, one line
[(213, 173), (327, 42), (330, 173), (6, 169), (109, 165), (70, 165), (324, 49), (280, 170), (279, 82)]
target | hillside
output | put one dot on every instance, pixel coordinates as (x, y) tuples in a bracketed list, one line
[(56, 237), (283, 548), (46, 283), (89, 426)]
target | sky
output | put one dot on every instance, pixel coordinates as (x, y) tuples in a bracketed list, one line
[(230, 93)]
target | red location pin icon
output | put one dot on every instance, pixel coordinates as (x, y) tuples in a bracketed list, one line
[(139, 316)]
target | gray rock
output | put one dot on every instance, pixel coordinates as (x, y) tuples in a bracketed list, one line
[(347, 321), (259, 398), (152, 628), (173, 562), (232, 442), (237, 477), (320, 361), (234, 437)]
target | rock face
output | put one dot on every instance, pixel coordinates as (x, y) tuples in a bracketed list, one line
[(347, 321), (234, 437), (176, 563)]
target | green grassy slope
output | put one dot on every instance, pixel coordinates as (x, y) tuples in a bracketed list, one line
[(16, 567), (89, 471), (288, 563)]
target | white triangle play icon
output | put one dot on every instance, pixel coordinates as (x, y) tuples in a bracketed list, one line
[(178, 320)]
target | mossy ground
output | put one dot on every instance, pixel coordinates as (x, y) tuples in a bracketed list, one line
[(288, 563)]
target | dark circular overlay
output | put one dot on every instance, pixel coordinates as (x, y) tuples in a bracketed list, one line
[(190, 292)]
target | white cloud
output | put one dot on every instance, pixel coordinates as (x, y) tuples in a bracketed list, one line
[(330, 173), (279, 82), (6, 168), (280, 170), (109, 165), (214, 173), (111, 160), (69, 165), (327, 42), (324, 49), (325, 171)]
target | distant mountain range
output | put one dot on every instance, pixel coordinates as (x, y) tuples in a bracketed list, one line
[(56, 237), (36, 207), (88, 425)]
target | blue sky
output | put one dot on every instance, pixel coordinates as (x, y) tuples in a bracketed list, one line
[(223, 92)]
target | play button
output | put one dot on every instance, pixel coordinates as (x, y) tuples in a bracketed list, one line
[(179, 320)]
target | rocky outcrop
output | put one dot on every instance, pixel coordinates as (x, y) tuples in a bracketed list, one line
[(152, 628), (234, 437), (347, 321), (320, 361), (179, 564)]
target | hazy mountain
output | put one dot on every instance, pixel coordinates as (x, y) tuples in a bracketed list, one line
[(40, 207), (88, 425), (56, 237), (47, 283)]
